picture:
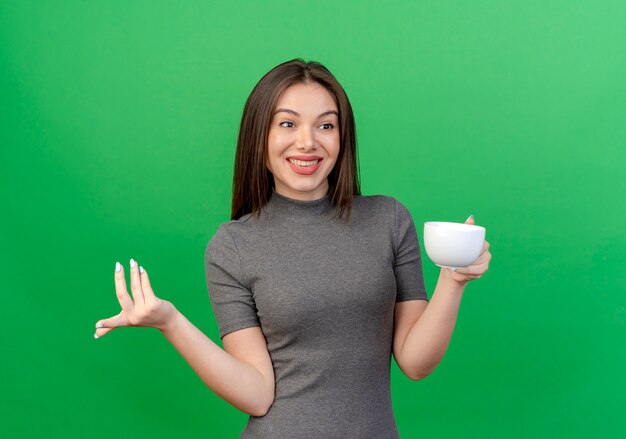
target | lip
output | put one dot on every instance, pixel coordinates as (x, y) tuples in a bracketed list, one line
[(304, 170), (305, 157)]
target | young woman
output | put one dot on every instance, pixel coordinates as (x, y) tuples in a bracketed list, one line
[(313, 285)]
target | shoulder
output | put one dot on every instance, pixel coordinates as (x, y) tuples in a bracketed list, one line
[(229, 232), (384, 212), (224, 234), (374, 203), (381, 204)]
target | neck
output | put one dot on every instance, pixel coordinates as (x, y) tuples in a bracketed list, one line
[(316, 194), (284, 208)]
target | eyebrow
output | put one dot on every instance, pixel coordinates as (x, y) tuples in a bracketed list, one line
[(287, 110)]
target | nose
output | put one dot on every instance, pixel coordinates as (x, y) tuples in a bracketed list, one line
[(306, 139)]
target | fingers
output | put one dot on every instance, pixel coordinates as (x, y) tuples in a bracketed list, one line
[(485, 255), (473, 271), (135, 284), (148, 293), (107, 325), (100, 332), (478, 268), (140, 287), (120, 289)]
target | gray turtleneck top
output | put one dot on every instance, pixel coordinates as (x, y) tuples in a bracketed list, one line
[(323, 293)]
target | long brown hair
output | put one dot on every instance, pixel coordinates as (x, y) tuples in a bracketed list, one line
[(252, 181)]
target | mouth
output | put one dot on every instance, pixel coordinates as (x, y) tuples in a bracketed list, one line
[(305, 162), (304, 167)]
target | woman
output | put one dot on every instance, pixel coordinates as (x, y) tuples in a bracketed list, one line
[(313, 285)]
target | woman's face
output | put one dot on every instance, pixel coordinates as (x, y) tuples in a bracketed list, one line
[(303, 141)]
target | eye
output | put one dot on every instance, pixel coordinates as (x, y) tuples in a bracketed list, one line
[(286, 122), (329, 126)]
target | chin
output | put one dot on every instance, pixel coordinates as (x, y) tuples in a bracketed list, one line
[(304, 186)]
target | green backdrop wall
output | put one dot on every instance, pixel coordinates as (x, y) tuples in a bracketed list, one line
[(119, 122)]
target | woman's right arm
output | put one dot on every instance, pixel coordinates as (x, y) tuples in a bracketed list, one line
[(241, 374)]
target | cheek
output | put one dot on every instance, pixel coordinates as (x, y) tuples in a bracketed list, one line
[(276, 143), (274, 158), (270, 160), (335, 149), (273, 145)]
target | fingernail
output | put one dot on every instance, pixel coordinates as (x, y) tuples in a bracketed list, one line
[(99, 325), (141, 270), (118, 267), (471, 216), (95, 335), (133, 264)]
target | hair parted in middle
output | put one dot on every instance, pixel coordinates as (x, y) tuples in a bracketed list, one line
[(252, 180)]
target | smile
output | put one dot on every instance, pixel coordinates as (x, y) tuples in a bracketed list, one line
[(304, 167), (303, 163)]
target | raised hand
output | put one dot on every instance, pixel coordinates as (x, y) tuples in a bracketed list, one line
[(143, 309), (478, 267)]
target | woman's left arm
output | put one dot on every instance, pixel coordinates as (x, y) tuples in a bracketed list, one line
[(422, 330)]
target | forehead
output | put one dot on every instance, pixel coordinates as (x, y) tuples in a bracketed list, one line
[(306, 98)]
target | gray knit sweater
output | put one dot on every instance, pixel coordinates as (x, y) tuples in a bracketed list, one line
[(323, 293)]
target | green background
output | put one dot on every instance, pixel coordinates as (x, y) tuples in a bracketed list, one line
[(119, 123)]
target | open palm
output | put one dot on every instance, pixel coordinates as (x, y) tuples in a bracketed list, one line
[(143, 309)]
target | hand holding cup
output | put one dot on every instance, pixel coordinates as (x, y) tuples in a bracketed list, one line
[(460, 248)]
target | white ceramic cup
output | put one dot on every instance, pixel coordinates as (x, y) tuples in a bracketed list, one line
[(453, 245)]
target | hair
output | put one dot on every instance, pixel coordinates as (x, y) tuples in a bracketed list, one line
[(252, 180)]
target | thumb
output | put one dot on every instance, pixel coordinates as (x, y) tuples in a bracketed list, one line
[(107, 325), (470, 220)]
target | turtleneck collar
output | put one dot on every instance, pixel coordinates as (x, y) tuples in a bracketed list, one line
[(282, 207)]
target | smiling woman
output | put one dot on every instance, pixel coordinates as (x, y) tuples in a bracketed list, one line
[(305, 278), (300, 111), (303, 141), (312, 284)]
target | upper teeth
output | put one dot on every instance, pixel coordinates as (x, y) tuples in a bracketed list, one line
[(303, 163)]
